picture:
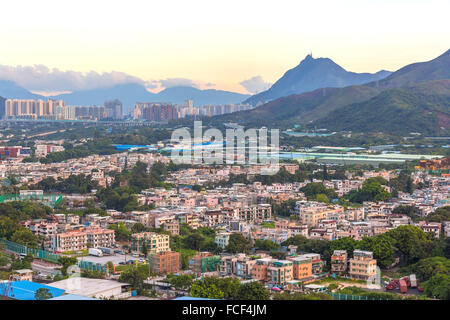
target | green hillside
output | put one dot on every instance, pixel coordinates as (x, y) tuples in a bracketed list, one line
[(398, 111)]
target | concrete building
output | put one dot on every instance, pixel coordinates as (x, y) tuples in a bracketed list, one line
[(23, 274), (339, 262), (362, 265), (165, 262), (302, 268), (222, 239), (280, 272), (255, 213), (96, 288), (155, 242)]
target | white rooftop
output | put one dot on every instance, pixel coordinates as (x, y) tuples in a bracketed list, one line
[(86, 286)]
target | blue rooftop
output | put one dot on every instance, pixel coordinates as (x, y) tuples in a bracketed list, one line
[(25, 290)]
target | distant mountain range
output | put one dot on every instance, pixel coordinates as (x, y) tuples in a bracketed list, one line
[(129, 94), (312, 74), (414, 98)]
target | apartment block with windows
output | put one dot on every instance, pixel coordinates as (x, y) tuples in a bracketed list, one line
[(155, 242), (339, 262), (99, 237), (280, 272), (362, 265), (255, 214), (259, 270), (70, 241), (302, 268), (165, 262)]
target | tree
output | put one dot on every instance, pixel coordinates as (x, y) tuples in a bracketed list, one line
[(411, 211), (426, 268), (348, 244), (438, 287), (66, 262), (382, 249), (193, 241), (441, 214), (43, 294), (181, 282), (322, 198), (199, 289), (25, 237), (144, 249), (134, 277), (402, 183), (121, 232), (411, 241), (311, 190), (238, 244), (252, 291), (266, 245), (371, 190)]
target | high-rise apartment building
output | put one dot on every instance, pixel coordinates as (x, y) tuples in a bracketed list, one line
[(113, 109), (155, 111)]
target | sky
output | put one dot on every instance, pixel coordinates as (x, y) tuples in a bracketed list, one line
[(241, 46)]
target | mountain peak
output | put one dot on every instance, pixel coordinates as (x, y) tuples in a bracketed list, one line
[(308, 57), (311, 74)]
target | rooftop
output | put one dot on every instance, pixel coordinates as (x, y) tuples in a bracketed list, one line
[(86, 286), (25, 290)]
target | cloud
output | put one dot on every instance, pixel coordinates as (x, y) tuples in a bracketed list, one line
[(177, 82), (41, 78), (255, 84)]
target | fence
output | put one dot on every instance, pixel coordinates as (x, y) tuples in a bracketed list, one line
[(49, 256), (37, 253), (49, 199), (341, 296), (90, 266)]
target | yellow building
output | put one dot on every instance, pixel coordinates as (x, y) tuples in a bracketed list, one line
[(155, 242), (362, 265), (280, 272)]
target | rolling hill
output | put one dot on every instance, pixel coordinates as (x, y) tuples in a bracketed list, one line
[(436, 69), (398, 111)]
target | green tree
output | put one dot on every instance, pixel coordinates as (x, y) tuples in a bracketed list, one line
[(426, 268), (252, 291), (135, 277), (199, 289), (181, 282), (382, 249), (66, 262), (25, 237), (43, 294), (411, 241), (144, 249), (193, 241), (371, 190), (348, 244), (266, 245), (438, 287), (238, 244)]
